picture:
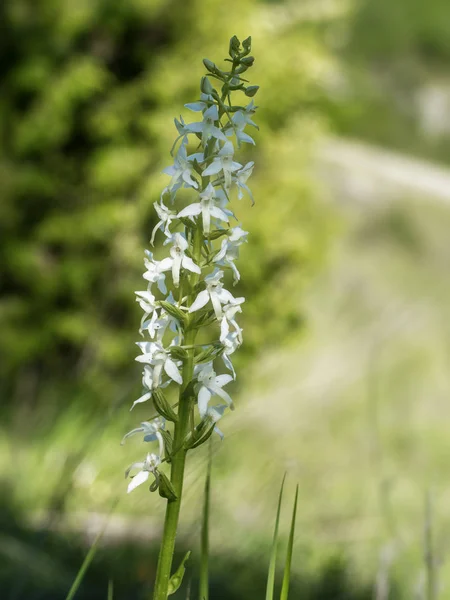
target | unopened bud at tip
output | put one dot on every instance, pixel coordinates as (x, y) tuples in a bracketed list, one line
[(251, 90)]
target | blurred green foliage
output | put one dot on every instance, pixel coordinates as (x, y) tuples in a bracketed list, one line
[(90, 90), (396, 57)]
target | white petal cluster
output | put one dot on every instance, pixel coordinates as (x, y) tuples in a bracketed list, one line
[(192, 278)]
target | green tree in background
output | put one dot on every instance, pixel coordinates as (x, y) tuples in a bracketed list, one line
[(89, 92)]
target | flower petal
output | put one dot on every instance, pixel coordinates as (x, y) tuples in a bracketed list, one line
[(143, 398), (190, 265), (222, 380), (172, 371), (200, 301), (141, 477), (190, 211), (204, 396)]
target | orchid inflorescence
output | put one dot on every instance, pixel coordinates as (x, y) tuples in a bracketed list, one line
[(186, 292)]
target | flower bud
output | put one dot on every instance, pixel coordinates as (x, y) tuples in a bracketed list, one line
[(234, 46), (247, 44), (247, 61), (205, 86), (241, 69), (251, 90), (212, 67)]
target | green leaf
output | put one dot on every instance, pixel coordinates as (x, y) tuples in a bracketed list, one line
[(209, 353), (202, 319), (287, 566), (163, 406), (110, 589), (177, 578), (173, 311), (273, 553)]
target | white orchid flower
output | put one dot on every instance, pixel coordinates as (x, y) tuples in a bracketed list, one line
[(181, 171), (205, 101), (209, 385), (215, 413), (206, 127), (229, 313), (229, 250), (237, 126), (214, 292), (224, 162), (151, 430), (249, 111), (147, 302), (166, 217), (154, 354), (178, 258), (226, 256), (231, 343), (150, 465), (155, 272), (241, 180), (207, 207)]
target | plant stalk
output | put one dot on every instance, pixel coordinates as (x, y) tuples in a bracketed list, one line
[(181, 429)]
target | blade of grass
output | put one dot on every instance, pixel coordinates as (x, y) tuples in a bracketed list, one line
[(204, 549), (273, 552), (287, 566), (110, 589), (89, 557), (429, 554), (84, 567)]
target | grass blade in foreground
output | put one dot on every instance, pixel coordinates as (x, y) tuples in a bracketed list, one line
[(110, 589), (84, 567), (204, 550), (89, 557), (273, 553), (287, 566)]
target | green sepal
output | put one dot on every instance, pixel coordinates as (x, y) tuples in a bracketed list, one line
[(177, 352), (165, 488), (177, 578), (162, 406), (210, 353), (251, 90), (187, 222), (202, 319), (168, 443), (216, 233), (173, 311)]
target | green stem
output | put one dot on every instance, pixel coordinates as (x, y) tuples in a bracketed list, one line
[(181, 429), (204, 554)]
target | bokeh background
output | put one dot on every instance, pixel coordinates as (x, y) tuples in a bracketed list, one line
[(344, 376)]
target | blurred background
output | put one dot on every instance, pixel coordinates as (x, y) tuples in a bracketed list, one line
[(344, 378)]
